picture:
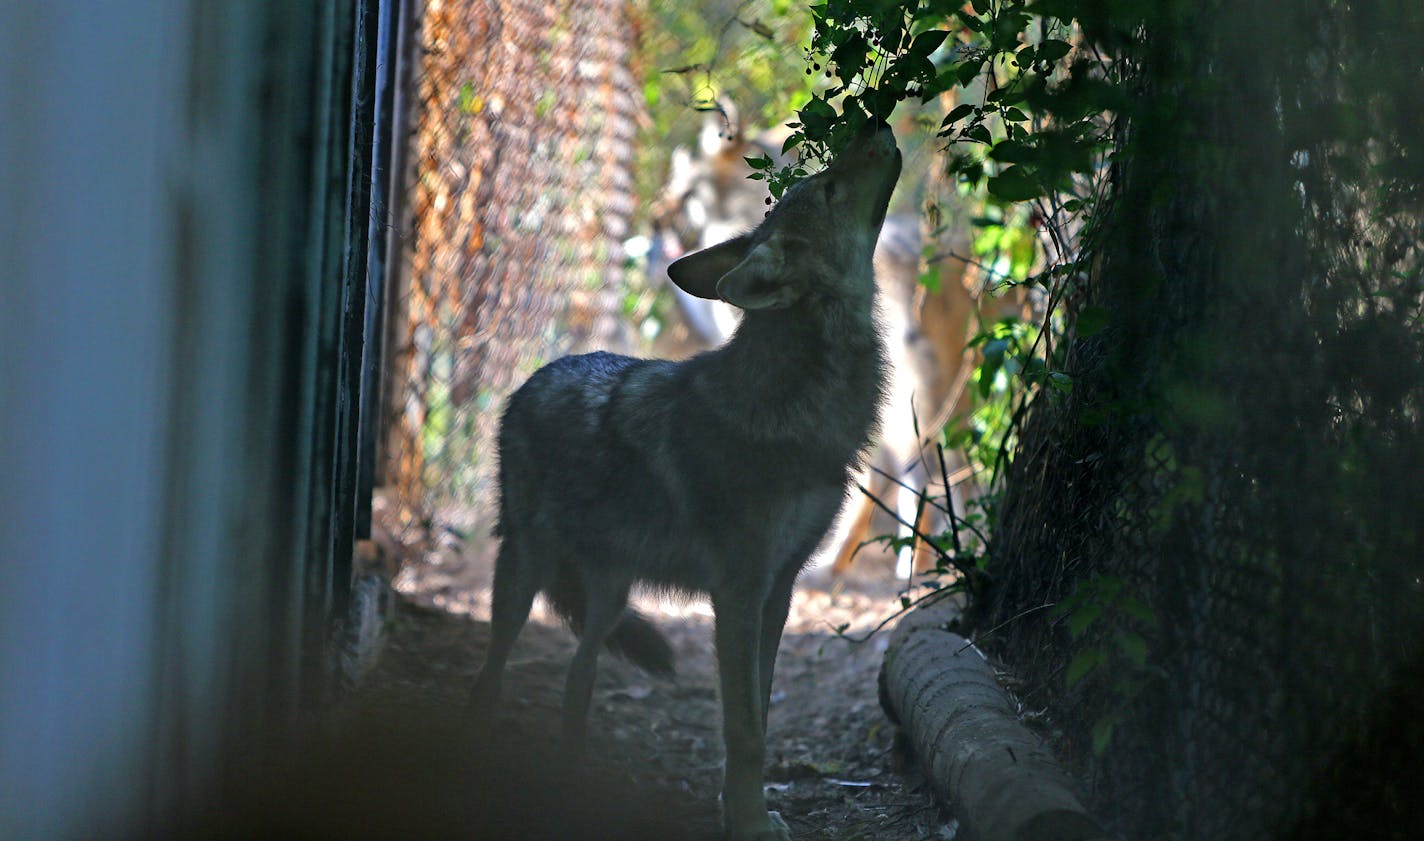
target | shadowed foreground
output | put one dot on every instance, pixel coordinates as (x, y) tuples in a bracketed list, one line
[(654, 758), (409, 774)]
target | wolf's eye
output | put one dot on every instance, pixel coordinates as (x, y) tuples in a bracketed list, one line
[(830, 190)]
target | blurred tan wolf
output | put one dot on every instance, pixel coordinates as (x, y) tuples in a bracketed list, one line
[(720, 474)]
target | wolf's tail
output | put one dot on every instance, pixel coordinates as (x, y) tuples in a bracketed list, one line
[(633, 638)]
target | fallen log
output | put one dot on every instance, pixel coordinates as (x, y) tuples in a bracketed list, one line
[(998, 777)]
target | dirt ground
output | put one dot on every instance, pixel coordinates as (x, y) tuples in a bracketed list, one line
[(654, 745)]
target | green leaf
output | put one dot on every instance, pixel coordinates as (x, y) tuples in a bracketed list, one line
[(993, 361), (917, 68), (1102, 733), (1092, 321), (1052, 50), (1108, 587), (1083, 618), (1133, 646), (968, 70), (1138, 609), (762, 162), (881, 101), (1083, 663), (958, 113), (815, 124), (980, 7), (892, 32), (1014, 184), (849, 57), (927, 42), (1013, 96), (1014, 152), (954, 439), (1060, 382)]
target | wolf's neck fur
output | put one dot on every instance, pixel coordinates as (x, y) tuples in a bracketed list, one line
[(813, 373)]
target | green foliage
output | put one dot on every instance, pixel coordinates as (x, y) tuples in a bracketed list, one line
[(1030, 109), (1028, 114), (1114, 626), (1026, 142), (1022, 97), (1024, 113)]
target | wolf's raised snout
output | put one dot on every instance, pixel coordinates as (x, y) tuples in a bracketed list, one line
[(719, 475), (828, 222)]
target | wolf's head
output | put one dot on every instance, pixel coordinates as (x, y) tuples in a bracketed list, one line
[(817, 243)]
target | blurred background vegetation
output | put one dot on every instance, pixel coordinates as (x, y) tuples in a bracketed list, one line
[(695, 57)]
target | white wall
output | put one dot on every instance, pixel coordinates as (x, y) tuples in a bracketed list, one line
[(131, 264), (89, 93)]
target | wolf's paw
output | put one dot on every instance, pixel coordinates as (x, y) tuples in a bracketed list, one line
[(777, 830)]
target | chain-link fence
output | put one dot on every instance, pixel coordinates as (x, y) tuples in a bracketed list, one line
[(520, 197), (1225, 513)]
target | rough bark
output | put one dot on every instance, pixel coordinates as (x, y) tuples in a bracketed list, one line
[(1001, 780)]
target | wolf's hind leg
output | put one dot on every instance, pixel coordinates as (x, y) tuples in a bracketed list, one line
[(603, 606), (515, 585)]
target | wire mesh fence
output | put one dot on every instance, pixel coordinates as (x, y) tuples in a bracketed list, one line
[(520, 197), (1225, 512)]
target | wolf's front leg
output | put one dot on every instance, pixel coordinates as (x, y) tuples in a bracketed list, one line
[(738, 638), (773, 623)]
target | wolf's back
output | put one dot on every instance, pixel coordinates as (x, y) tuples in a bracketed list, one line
[(553, 427)]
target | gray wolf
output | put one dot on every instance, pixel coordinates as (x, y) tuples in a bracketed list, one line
[(708, 198), (720, 474)]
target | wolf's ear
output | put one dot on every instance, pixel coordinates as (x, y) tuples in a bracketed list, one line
[(760, 281), (698, 273)]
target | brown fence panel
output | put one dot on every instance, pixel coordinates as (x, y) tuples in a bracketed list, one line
[(520, 195)]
